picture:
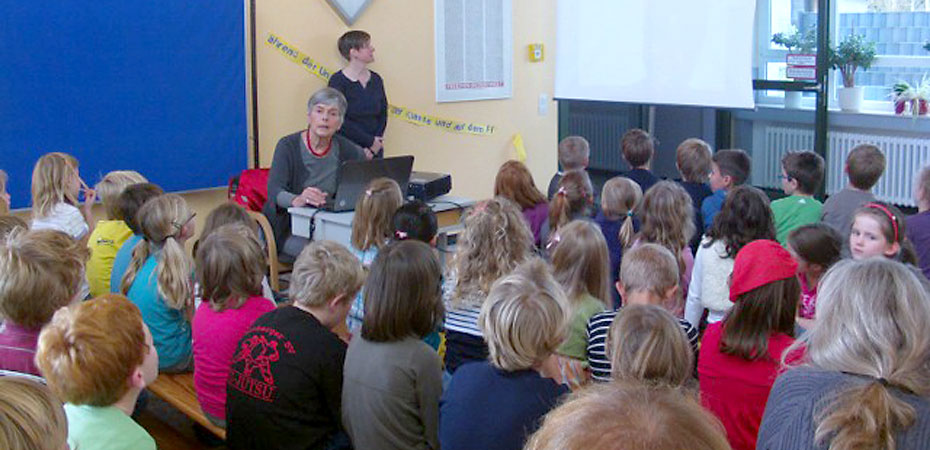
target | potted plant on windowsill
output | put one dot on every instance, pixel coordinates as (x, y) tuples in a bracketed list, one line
[(911, 99), (854, 52), (799, 44)]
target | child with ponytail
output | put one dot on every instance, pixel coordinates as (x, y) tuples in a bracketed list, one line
[(863, 383), (571, 201), (158, 279), (372, 229), (619, 198)]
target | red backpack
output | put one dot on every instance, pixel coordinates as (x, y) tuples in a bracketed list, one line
[(249, 189)]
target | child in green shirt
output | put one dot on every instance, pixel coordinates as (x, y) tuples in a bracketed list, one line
[(801, 175)]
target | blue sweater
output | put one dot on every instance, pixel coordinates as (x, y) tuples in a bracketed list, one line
[(488, 408)]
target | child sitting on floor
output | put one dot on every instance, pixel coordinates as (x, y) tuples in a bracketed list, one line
[(97, 357), (693, 160), (638, 147), (31, 417), (295, 400), (619, 198), (41, 271), (815, 247), (110, 234), (878, 230), (918, 225), (647, 345), (729, 168), (574, 152), (864, 166), (665, 219), (498, 403), (801, 175), (230, 267), (128, 204), (648, 276)]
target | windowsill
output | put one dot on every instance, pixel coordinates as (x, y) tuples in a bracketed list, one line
[(878, 120)]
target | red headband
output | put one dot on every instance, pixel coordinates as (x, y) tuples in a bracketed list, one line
[(894, 220)]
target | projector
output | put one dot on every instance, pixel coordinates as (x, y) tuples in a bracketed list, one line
[(426, 186)]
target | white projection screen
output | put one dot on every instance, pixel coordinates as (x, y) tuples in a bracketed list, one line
[(677, 52)]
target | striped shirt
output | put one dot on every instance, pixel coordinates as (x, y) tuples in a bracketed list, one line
[(597, 343)]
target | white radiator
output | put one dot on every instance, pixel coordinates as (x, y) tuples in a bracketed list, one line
[(904, 157)]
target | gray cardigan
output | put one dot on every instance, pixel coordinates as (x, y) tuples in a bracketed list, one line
[(289, 174), (798, 394)]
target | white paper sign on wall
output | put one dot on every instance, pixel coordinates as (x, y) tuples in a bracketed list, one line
[(349, 10)]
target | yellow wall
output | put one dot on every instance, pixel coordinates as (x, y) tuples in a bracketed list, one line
[(402, 33)]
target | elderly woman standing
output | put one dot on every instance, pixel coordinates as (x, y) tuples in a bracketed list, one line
[(303, 171)]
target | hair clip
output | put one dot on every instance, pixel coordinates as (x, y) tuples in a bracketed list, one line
[(894, 220), (629, 213), (561, 191), (400, 235), (368, 193)]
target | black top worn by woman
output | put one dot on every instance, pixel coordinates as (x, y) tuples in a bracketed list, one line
[(366, 116)]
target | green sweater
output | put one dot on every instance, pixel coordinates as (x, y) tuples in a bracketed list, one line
[(793, 211), (577, 341)]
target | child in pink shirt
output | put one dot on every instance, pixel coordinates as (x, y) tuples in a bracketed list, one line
[(230, 267), (815, 247)]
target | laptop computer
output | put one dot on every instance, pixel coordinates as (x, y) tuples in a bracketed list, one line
[(353, 177)]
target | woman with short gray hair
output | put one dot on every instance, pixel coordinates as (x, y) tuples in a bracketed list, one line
[(303, 170)]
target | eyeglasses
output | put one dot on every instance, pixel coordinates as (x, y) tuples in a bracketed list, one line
[(180, 225), (784, 177)]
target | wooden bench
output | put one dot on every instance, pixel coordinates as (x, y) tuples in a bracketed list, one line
[(178, 391)]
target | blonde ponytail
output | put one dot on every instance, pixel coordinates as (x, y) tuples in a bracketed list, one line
[(627, 233), (866, 416), (162, 220)]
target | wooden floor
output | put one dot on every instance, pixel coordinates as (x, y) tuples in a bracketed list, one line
[(170, 429)]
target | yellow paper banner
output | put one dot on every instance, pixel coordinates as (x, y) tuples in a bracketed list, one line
[(519, 147), (455, 126)]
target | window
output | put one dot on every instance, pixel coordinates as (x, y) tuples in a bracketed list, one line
[(899, 28)]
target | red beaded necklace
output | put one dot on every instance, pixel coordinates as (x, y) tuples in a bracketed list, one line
[(312, 151)]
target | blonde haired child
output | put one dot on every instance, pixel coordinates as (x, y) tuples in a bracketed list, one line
[(158, 279), (878, 229), (666, 219), (647, 345), (864, 380), (4, 195), (31, 418), (372, 229), (648, 276), (109, 234), (97, 356), (580, 264), (55, 188), (629, 416), (694, 162), (230, 267), (296, 401), (392, 380), (497, 403), (495, 241), (41, 271), (619, 199), (572, 201), (9, 223)]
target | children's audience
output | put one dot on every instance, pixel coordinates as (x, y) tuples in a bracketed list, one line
[(918, 225), (56, 185), (740, 356), (864, 379), (498, 403), (729, 168), (372, 229), (572, 201), (392, 379), (864, 166), (515, 183), (128, 204), (415, 220), (31, 418), (878, 229), (647, 345), (230, 267), (629, 416), (648, 276), (693, 160), (619, 199), (110, 234), (638, 147), (666, 220), (158, 279), (815, 247), (801, 175), (285, 381), (41, 271), (97, 357), (4, 195), (495, 241), (745, 217), (574, 153), (580, 264)]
